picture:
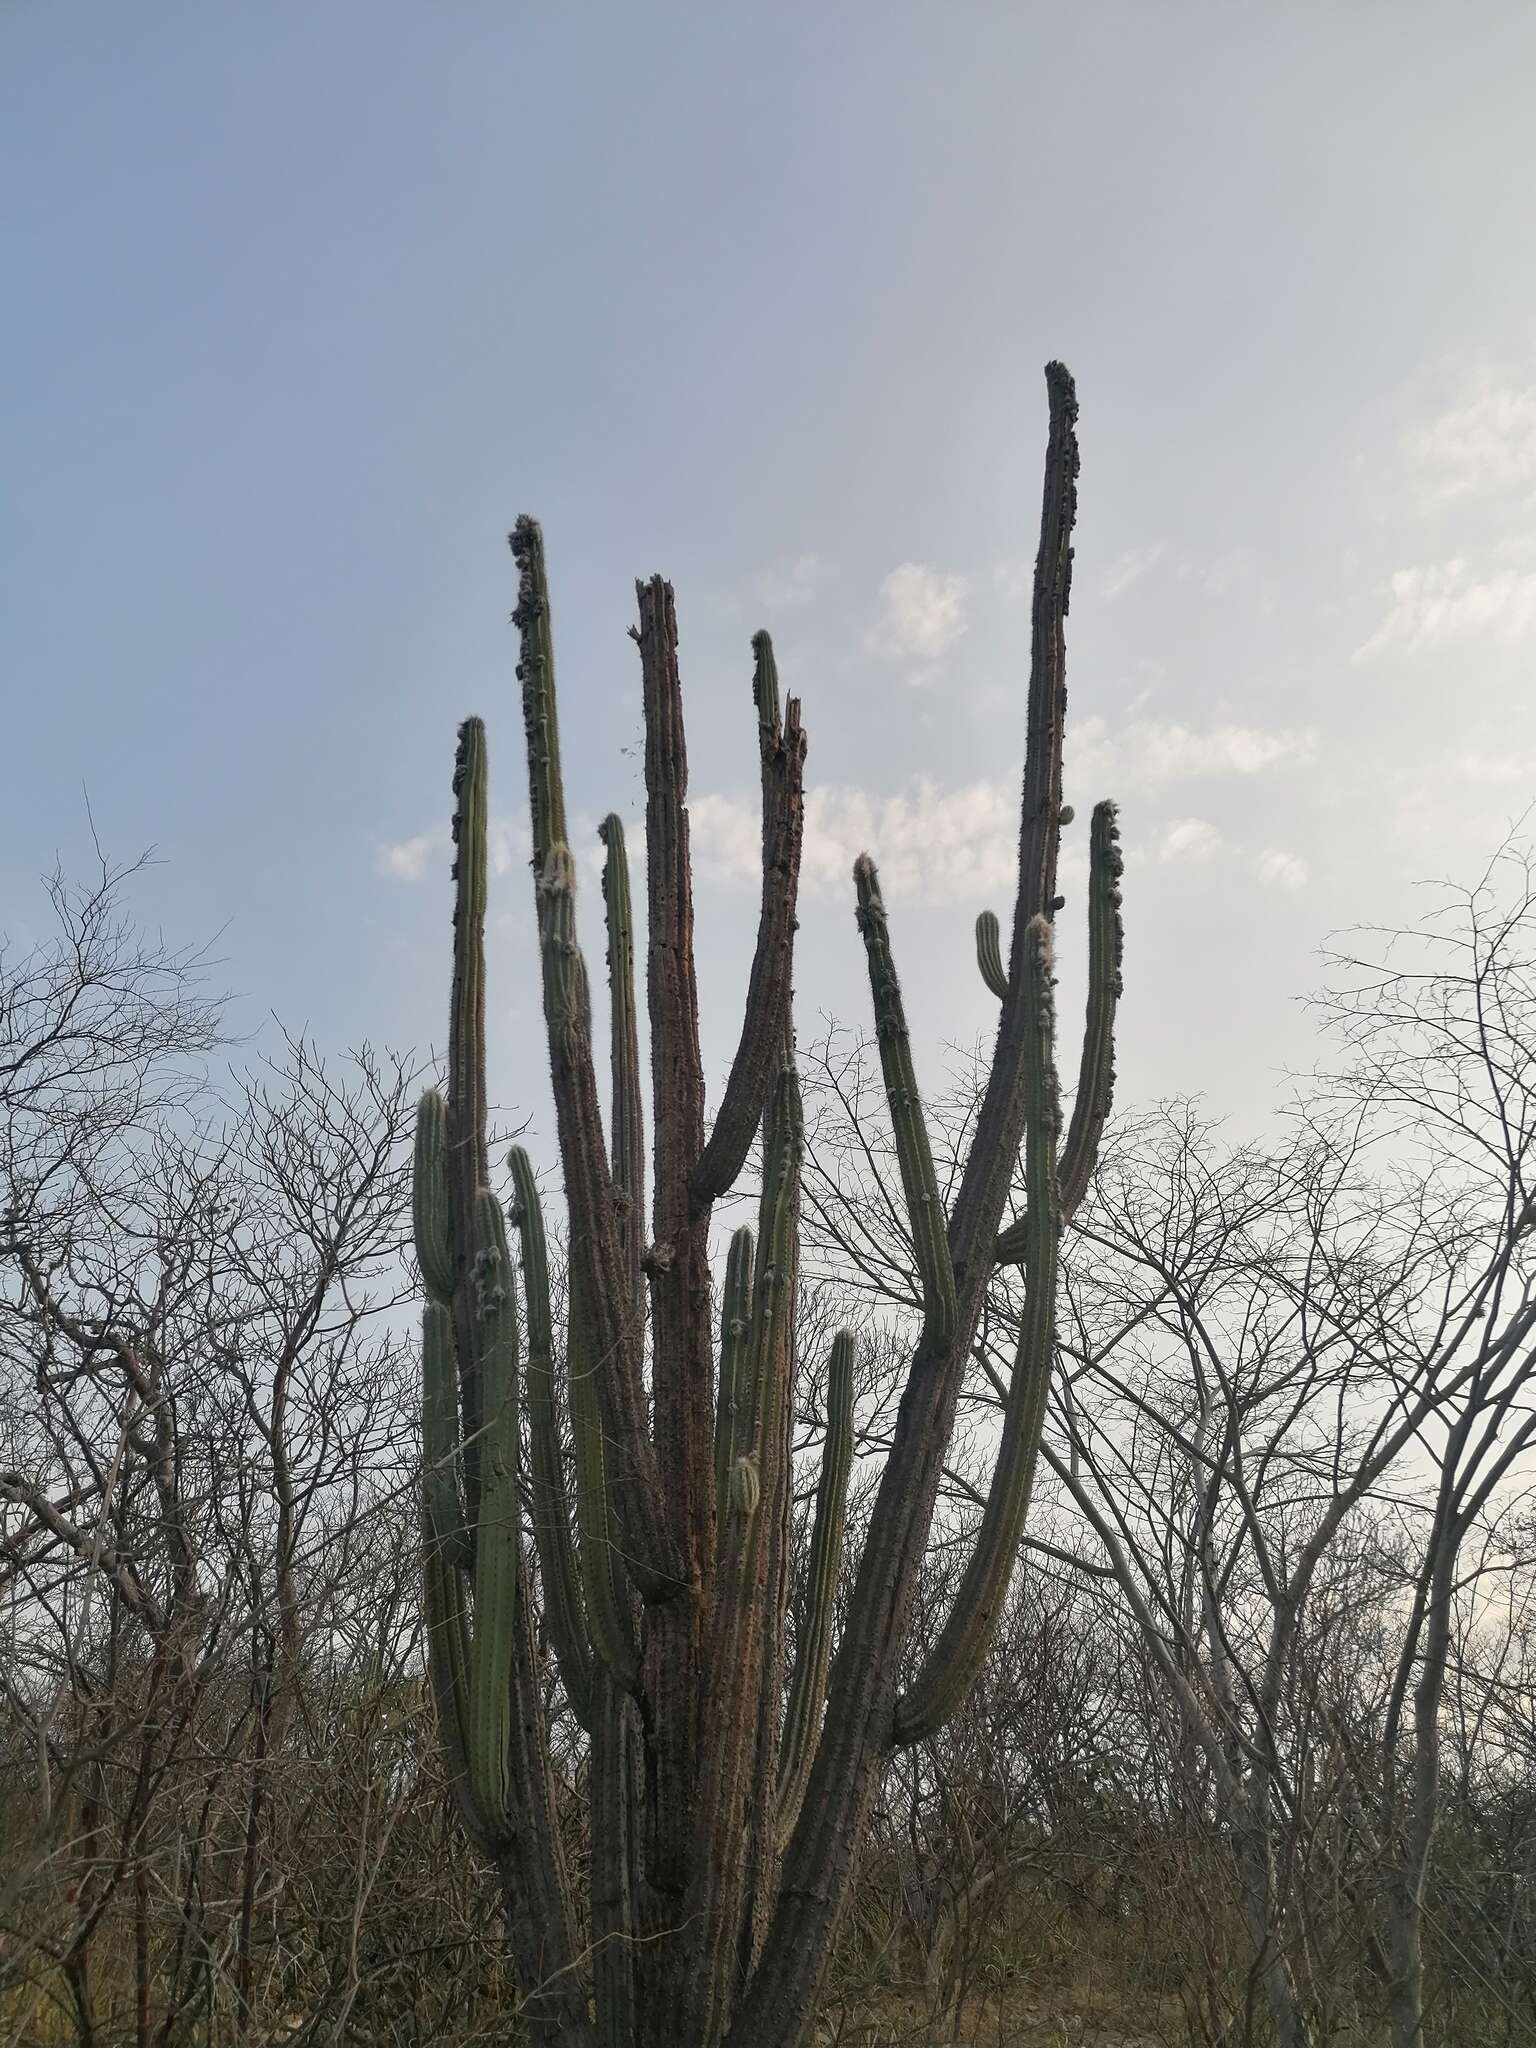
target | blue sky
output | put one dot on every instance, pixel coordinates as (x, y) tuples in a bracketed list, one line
[(306, 303)]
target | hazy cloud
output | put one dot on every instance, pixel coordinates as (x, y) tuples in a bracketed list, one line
[(405, 860), (1480, 767), (408, 860), (1485, 444), (933, 845), (1129, 568), (1280, 870), (1443, 602), (1164, 750), (922, 613), (1189, 839), (789, 586)]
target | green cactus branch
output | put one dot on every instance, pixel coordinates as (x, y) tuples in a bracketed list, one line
[(564, 1609), (1106, 948), (1096, 1072), (914, 1154), (989, 955), (731, 1430), (802, 1717), (465, 1150), (431, 1216)]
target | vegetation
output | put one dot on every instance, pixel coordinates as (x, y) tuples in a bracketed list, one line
[(696, 1607)]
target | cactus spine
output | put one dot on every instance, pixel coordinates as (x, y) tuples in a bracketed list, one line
[(725, 1792)]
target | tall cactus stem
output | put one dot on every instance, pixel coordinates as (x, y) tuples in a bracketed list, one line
[(467, 1165), (498, 1547)]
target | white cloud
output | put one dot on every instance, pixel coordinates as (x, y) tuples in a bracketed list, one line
[(1277, 869), (1479, 767), (789, 586), (408, 860), (922, 613), (1189, 839), (1484, 445), (1129, 568), (725, 836), (1441, 602), (405, 860), (1160, 750), (933, 845)]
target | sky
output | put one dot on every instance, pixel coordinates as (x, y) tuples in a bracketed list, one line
[(306, 304)]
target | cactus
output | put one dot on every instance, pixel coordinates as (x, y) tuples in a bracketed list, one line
[(725, 1791)]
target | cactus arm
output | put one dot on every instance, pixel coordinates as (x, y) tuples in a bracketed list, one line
[(609, 1366), (1106, 947), (735, 1328), (466, 1152), (919, 1182), (989, 955), (431, 1217), (682, 1337), (484, 1679), (627, 1120), (447, 1634), (781, 744), (1096, 1073), (498, 1546), (602, 1577), (564, 1615), (813, 1651), (950, 1668), (440, 1437), (510, 1778)]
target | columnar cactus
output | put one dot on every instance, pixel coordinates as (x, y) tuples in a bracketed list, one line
[(725, 1791)]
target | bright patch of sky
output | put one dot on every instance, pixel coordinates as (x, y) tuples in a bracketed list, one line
[(306, 304)]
